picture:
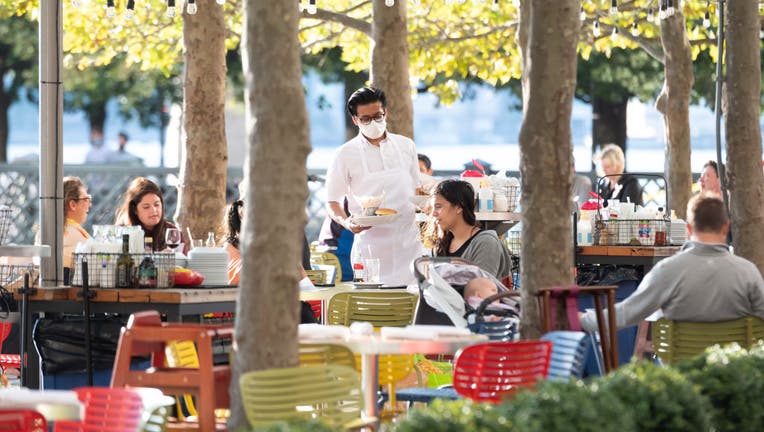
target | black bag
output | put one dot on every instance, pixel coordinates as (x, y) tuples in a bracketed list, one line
[(61, 342)]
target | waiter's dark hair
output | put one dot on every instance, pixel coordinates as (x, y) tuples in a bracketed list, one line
[(460, 194), (706, 213), (712, 164), (364, 96)]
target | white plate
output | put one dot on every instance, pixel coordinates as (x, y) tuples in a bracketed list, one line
[(374, 220), (367, 285), (420, 201)]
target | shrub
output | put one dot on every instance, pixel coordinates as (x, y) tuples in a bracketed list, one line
[(296, 426), (733, 380), (568, 406), (660, 398), (453, 416)]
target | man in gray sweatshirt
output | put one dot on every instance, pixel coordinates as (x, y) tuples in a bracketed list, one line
[(703, 282)]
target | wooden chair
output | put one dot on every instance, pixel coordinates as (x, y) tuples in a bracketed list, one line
[(381, 309), (678, 340), (112, 409), (608, 339), (21, 420), (493, 371), (145, 334), (331, 393)]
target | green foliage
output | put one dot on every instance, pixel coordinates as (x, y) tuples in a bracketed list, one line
[(660, 398), (733, 380), (569, 406), (454, 416), (296, 426)]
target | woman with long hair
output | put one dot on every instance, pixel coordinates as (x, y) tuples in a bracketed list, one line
[(77, 203), (231, 230), (143, 205), (452, 229)]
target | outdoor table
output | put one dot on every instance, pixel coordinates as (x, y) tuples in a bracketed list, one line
[(52, 404), (370, 346), (175, 303)]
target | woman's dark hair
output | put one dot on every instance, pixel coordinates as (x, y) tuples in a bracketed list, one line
[(232, 224), (127, 213), (458, 193), (365, 96), (425, 160)]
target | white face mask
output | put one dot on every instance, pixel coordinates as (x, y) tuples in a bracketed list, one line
[(373, 130)]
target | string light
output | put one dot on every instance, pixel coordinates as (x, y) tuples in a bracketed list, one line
[(220, 2), (111, 11), (170, 9), (650, 15), (312, 7), (130, 10), (495, 5), (461, 1), (596, 29), (707, 19), (76, 3), (670, 8), (191, 7), (662, 12), (582, 14), (634, 29), (614, 34), (389, 3), (613, 7)]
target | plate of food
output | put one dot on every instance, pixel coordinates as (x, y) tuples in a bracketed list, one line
[(382, 217)]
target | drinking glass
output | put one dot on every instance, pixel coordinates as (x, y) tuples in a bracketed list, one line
[(371, 267), (172, 238)]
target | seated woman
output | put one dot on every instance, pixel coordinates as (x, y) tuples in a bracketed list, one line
[(77, 203), (618, 186), (453, 232), (143, 205)]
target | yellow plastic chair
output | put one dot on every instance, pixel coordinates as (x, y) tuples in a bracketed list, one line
[(381, 309), (330, 393), (326, 354), (182, 354), (327, 258), (678, 340)]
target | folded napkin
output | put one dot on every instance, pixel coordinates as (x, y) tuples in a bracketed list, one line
[(422, 332), (318, 331)]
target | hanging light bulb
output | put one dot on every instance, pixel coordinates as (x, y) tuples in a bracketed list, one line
[(596, 29), (650, 15), (613, 7), (516, 3), (662, 12), (170, 9), (312, 7), (582, 14), (111, 11), (614, 34), (461, 1), (76, 3), (389, 3), (670, 9), (707, 19), (220, 2), (130, 10), (495, 5), (191, 7), (634, 29)]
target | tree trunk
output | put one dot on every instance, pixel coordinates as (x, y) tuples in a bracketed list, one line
[(96, 115), (674, 103), (204, 156), (276, 175), (5, 104), (742, 131), (390, 65), (546, 152), (608, 123)]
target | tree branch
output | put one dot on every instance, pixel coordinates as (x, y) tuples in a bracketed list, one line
[(339, 17)]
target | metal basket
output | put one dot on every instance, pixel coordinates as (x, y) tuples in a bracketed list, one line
[(12, 275), (102, 268), (631, 232), (5, 223)]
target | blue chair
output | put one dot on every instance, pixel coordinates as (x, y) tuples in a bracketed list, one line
[(569, 353)]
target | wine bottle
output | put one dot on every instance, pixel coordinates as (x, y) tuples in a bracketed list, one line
[(125, 265)]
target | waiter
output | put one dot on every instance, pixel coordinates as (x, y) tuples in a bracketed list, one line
[(374, 163)]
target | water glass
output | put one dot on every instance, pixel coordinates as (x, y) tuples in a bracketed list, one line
[(371, 268)]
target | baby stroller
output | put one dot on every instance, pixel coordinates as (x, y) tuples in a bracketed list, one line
[(441, 285)]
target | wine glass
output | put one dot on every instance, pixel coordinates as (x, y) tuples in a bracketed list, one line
[(172, 238)]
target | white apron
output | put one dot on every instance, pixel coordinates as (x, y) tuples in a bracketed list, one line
[(395, 244)]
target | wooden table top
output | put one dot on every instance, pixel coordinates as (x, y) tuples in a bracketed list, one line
[(164, 295), (636, 251)]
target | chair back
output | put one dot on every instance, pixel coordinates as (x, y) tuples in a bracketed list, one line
[(569, 349), (326, 354), (490, 372), (331, 393), (21, 420), (106, 408), (381, 309), (678, 340), (328, 258)]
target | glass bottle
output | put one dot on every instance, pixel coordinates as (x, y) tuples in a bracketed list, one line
[(358, 270), (210, 239), (125, 265)]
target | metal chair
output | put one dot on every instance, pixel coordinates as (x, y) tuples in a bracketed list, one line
[(491, 372), (146, 334), (21, 420), (381, 309), (331, 393), (569, 349), (113, 409), (678, 340)]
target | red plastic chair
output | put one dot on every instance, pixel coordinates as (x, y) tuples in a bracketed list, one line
[(316, 306), (490, 372), (22, 421), (106, 410), (7, 360)]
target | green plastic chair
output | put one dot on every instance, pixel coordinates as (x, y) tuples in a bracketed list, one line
[(330, 393), (381, 309), (679, 340), (326, 354)]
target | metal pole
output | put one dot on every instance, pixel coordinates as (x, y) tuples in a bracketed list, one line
[(717, 105), (51, 148)]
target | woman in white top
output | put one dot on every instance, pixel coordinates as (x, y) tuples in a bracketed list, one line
[(77, 203)]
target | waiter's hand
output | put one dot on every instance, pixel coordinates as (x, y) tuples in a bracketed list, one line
[(354, 227)]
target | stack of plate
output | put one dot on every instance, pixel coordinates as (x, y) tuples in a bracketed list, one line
[(678, 231), (212, 262)]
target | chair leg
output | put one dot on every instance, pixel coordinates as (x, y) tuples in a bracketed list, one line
[(642, 344)]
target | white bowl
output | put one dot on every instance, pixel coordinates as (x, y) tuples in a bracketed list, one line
[(420, 201)]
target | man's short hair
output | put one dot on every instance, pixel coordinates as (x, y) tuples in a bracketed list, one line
[(706, 213), (425, 160), (712, 164), (124, 135), (365, 96)]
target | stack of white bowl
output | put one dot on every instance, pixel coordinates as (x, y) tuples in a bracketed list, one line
[(678, 231), (212, 262)]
